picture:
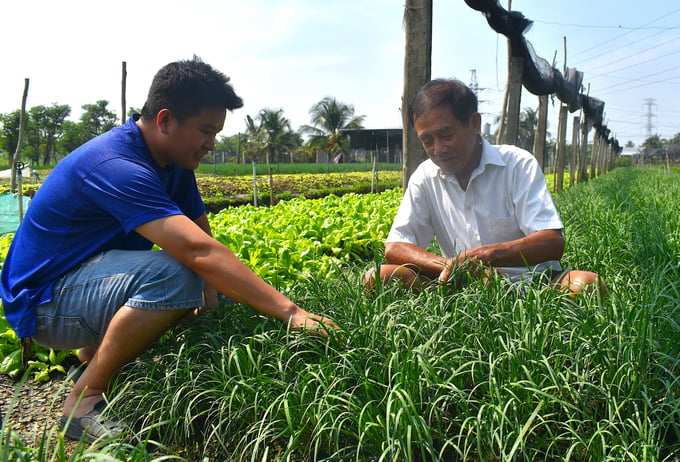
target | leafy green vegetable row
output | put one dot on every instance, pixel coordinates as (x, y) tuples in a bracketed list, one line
[(302, 238)]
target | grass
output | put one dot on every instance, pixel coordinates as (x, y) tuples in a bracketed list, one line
[(487, 373), (490, 372)]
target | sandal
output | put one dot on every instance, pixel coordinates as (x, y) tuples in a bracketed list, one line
[(75, 371), (92, 426)]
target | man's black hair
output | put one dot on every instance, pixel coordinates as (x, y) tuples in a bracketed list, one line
[(187, 87), (450, 93)]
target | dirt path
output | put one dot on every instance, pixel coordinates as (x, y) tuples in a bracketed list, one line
[(36, 408)]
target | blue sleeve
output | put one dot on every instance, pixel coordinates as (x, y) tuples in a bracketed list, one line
[(131, 193), (187, 196)]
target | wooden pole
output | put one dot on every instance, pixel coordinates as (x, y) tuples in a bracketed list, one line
[(541, 129), (22, 124), (417, 72), (583, 155), (500, 137), (597, 139), (574, 149), (514, 99), (606, 159), (271, 188), (123, 112), (561, 148), (254, 184)]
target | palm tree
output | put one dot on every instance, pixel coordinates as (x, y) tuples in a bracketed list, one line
[(526, 130), (329, 119), (254, 139), (272, 134)]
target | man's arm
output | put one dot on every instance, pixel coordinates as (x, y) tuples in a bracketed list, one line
[(184, 240), (535, 248), (544, 245), (404, 253), (209, 292)]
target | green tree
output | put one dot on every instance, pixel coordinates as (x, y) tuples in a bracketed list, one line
[(653, 142), (675, 139), (97, 119), (277, 135), (526, 130), (9, 133), (253, 140), (133, 110), (228, 146), (44, 129), (653, 149), (72, 136), (329, 118)]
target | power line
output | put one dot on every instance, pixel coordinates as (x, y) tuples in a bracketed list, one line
[(609, 88), (594, 26), (655, 46), (625, 33), (630, 79)]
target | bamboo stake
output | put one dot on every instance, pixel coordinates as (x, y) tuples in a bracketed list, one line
[(22, 122), (123, 113), (541, 128), (574, 149), (561, 148)]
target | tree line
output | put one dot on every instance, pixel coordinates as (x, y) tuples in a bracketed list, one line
[(656, 150), (48, 135), (269, 136)]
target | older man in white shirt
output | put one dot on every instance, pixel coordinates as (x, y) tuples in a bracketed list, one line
[(488, 207)]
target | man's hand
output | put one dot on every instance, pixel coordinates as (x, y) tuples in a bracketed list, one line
[(312, 323), (460, 265)]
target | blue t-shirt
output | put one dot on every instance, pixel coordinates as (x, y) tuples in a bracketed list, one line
[(91, 202)]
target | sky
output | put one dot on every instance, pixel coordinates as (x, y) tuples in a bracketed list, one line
[(290, 54)]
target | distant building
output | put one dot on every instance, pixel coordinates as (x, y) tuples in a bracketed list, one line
[(366, 142), (634, 151)]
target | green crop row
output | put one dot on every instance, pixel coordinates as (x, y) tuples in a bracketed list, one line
[(303, 238)]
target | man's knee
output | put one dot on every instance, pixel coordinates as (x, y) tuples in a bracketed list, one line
[(576, 281), (408, 278)]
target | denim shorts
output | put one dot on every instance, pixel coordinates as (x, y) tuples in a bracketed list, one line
[(85, 299)]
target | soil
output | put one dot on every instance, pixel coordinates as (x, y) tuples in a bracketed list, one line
[(36, 408)]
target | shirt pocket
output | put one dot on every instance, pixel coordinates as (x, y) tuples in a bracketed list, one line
[(498, 229)]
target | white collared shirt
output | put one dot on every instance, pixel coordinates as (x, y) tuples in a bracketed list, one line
[(507, 198)]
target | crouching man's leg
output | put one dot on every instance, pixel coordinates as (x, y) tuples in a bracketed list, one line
[(129, 334), (113, 306)]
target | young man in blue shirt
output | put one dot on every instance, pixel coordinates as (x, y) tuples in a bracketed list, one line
[(80, 272)]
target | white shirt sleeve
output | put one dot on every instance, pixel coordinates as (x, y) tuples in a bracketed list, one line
[(412, 224), (535, 209)]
